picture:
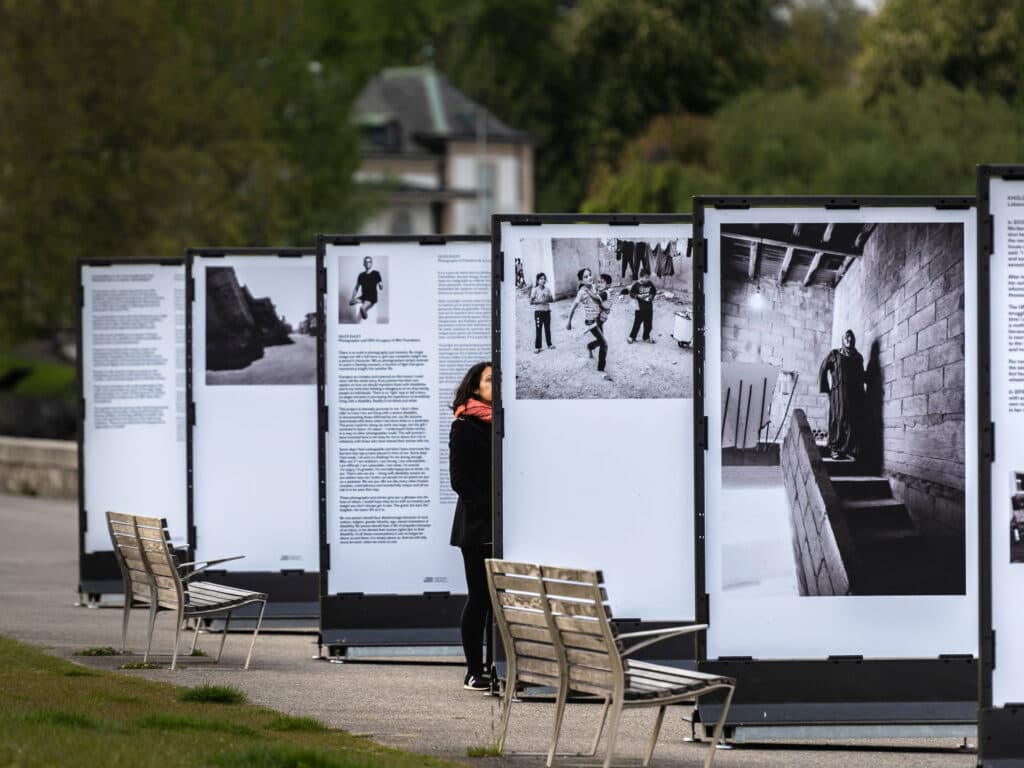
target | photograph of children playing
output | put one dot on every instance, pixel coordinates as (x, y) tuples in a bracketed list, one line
[(603, 318)]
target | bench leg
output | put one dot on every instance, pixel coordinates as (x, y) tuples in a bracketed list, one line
[(153, 608), (177, 639), (600, 726), (195, 638), (654, 735), (124, 620), (506, 709), (259, 623), (613, 731), (563, 695), (717, 735), (224, 635)]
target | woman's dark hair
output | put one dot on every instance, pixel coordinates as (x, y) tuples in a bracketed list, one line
[(579, 275), (539, 276), (469, 385)]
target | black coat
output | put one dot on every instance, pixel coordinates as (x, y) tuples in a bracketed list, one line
[(469, 465)]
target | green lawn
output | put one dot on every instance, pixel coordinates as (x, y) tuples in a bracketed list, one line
[(44, 380), (55, 713)]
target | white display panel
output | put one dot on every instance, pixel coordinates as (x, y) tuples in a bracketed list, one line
[(133, 383), (1006, 307), (906, 285), (254, 448), (389, 380), (597, 466)]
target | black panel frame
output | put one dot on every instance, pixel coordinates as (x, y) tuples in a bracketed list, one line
[(98, 572), (841, 690), (686, 647), (1000, 735), (360, 619), (292, 594)]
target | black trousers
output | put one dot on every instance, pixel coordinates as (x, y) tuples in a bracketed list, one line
[(643, 316), (542, 319), (477, 610), (599, 343)]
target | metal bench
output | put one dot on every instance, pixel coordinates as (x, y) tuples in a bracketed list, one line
[(556, 629)]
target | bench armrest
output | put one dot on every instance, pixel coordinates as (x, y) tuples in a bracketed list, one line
[(204, 565), (657, 635)]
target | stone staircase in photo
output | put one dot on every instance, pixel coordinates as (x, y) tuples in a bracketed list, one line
[(850, 536), (890, 555)]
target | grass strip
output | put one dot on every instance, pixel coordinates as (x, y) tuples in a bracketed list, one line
[(53, 715)]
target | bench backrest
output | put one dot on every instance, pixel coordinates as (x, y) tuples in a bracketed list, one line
[(158, 553), (577, 608), (128, 553), (517, 591)]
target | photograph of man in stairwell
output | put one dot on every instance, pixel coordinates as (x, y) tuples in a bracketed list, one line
[(843, 429)]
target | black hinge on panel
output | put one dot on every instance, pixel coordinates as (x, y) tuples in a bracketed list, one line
[(851, 206), (733, 658), (434, 240), (698, 249), (624, 221), (325, 559), (290, 255), (988, 236), (846, 657), (437, 594), (702, 434), (81, 409), (81, 296), (526, 221), (732, 206), (501, 266), (291, 571), (990, 641), (192, 540), (321, 280), (83, 520), (704, 608), (190, 291), (191, 413), (499, 425), (956, 657), (953, 207), (344, 595), (325, 415), (988, 442)]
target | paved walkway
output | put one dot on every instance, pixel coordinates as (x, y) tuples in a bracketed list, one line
[(419, 707)]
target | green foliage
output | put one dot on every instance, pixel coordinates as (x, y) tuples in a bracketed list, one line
[(142, 665), (968, 43), (106, 718), (105, 650), (43, 379), (490, 750), (62, 719), (214, 694), (192, 723), (287, 723)]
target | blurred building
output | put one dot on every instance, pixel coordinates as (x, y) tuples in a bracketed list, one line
[(441, 162)]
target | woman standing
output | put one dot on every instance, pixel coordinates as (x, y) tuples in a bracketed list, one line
[(469, 464)]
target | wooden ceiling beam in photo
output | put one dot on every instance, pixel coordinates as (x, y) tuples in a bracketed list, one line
[(815, 263), (753, 239), (842, 270), (787, 260), (752, 267)]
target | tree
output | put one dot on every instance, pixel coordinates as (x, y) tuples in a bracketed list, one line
[(968, 43)]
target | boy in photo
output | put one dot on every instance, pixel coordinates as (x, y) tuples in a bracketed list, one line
[(643, 291)]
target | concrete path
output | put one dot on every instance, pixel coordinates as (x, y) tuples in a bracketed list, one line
[(419, 707)]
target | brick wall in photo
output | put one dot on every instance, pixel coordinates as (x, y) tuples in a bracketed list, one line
[(791, 331), (904, 299)]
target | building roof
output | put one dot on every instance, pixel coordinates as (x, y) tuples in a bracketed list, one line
[(427, 109)]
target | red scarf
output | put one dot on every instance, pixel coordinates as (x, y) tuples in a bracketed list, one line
[(475, 408)]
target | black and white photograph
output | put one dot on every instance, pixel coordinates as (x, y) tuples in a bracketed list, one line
[(362, 289), (260, 325), (1017, 519), (842, 409), (603, 318)]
